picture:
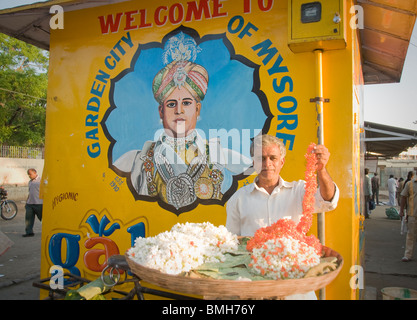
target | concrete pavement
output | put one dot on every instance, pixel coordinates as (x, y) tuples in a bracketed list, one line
[(384, 248), (20, 265)]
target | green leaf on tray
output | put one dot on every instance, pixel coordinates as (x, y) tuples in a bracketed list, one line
[(230, 262), (236, 273), (234, 267)]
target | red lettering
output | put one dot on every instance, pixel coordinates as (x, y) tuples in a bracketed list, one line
[(110, 23), (130, 19), (192, 9), (157, 16), (92, 257), (267, 7), (143, 23), (171, 14), (246, 6), (175, 14), (217, 5)]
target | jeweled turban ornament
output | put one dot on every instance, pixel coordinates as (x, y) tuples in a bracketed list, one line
[(180, 52)]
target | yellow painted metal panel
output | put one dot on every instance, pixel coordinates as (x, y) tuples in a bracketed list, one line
[(326, 27), (101, 107), (328, 33)]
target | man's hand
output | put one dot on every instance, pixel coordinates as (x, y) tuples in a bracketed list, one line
[(322, 155)]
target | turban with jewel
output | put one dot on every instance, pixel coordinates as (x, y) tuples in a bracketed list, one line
[(179, 74)]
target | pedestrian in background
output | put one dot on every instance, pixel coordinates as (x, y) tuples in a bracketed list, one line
[(410, 176), (409, 201), (367, 189), (33, 204), (392, 188), (400, 187), (375, 188)]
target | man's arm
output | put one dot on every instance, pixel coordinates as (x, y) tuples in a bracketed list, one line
[(326, 184), (402, 205)]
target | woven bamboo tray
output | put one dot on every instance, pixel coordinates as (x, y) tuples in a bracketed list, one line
[(231, 288)]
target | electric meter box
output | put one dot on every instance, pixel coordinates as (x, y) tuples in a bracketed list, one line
[(316, 25)]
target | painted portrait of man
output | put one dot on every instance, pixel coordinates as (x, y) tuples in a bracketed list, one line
[(183, 164)]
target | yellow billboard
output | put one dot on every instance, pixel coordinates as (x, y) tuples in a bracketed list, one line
[(112, 170)]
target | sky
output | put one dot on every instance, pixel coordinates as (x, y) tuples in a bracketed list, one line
[(389, 104)]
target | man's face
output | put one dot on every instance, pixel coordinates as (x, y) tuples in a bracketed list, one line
[(179, 113), (268, 162), (32, 174)]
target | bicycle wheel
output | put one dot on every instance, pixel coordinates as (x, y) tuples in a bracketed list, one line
[(8, 209)]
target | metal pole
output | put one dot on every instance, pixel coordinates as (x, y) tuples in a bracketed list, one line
[(321, 226)]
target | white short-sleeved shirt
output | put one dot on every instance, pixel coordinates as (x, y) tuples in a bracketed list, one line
[(252, 207), (392, 185)]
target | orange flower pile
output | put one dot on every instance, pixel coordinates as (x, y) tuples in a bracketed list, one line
[(288, 228)]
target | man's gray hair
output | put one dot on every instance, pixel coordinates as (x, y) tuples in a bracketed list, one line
[(264, 141)]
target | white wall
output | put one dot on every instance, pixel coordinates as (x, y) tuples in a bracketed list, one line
[(13, 175)]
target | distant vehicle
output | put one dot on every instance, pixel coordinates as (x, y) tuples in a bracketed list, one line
[(8, 207)]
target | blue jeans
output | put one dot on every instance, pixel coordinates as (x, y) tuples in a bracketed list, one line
[(31, 211)]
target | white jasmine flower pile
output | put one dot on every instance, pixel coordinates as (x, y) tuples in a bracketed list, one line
[(283, 258), (184, 248)]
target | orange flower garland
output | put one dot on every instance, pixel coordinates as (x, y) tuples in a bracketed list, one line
[(286, 227)]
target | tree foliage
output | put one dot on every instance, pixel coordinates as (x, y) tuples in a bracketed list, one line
[(23, 86)]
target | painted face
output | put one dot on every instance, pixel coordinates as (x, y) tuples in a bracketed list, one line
[(268, 164), (179, 113)]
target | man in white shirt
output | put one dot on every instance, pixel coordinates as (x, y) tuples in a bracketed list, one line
[(392, 188), (367, 189), (33, 204), (271, 198)]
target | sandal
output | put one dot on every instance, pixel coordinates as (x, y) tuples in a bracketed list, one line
[(405, 259)]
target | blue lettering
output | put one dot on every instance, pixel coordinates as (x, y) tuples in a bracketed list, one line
[(73, 251), (91, 106), (102, 76), (241, 22), (92, 134), (264, 49), (276, 68), (281, 87), (285, 137), (285, 124), (94, 150), (107, 63), (90, 120), (290, 99), (99, 228), (246, 30), (127, 40), (95, 89), (136, 231)]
